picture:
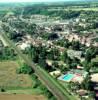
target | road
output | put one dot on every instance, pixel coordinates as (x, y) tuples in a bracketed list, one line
[(53, 85)]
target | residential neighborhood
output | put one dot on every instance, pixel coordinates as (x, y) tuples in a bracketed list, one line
[(49, 51)]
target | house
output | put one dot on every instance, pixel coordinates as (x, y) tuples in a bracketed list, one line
[(49, 62), (94, 77), (73, 53), (39, 17), (79, 67), (23, 45), (55, 73), (77, 20), (82, 92)]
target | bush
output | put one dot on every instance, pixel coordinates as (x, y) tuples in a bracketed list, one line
[(2, 90), (25, 69)]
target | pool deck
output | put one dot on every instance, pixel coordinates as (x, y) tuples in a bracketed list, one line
[(65, 80)]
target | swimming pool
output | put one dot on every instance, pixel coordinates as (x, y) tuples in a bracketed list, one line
[(66, 77)]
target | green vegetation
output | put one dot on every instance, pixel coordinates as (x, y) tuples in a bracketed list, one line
[(86, 84), (64, 34), (43, 75), (7, 54)]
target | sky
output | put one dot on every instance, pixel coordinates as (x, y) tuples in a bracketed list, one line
[(33, 0)]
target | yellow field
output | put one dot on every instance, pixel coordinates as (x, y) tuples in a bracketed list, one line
[(10, 79)]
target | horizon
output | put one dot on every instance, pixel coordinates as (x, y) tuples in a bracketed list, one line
[(39, 1)]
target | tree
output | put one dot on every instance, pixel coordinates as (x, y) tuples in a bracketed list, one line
[(43, 52), (73, 65), (86, 84), (32, 29), (33, 52), (2, 90), (88, 56), (76, 45), (42, 63), (67, 43), (47, 92), (90, 53), (54, 54), (65, 56), (86, 65), (92, 94), (7, 53), (55, 64), (74, 86), (25, 69)]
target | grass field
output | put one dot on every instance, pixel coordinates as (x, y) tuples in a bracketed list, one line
[(10, 79), (76, 9), (17, 86), (21, 97), (86, 9)]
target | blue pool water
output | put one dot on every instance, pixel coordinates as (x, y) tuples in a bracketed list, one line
[(68, 77)]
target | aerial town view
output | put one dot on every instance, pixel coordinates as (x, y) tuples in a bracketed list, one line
[(48, 49)]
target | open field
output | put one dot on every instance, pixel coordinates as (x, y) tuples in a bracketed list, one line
[(85, 9), (21, 97), (76, 9), (34, 91), (10, 79)]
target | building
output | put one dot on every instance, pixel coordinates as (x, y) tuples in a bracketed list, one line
[(55, 73), (73, 53)]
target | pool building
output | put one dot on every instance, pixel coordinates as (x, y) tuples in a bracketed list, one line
[(74, 76)]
